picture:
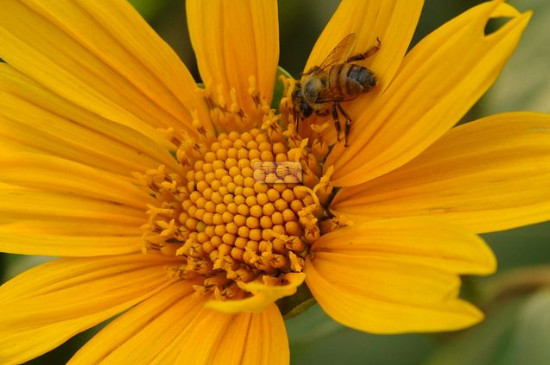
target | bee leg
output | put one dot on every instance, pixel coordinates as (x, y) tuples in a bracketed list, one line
[(348, 123), (336, 121), (361, 56)]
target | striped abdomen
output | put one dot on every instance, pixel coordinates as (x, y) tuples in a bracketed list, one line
[(346, 81)]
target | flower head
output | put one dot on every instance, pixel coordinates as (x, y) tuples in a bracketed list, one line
[(193, 211)]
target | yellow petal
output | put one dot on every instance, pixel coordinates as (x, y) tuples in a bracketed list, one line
[(262, 295), (197, 339), (52, 223), (391, 21), (69, 237), (439, 80), (420, 241), (387, 279), (142, 333), (254, 339), (367, 312), (396, 275), (488, 175), (47, 305), (29, 203), (103, 56), (54, 174), (211, 337), (234, 42), (34, 119)]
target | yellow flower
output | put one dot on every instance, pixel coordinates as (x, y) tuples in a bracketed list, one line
[(149, 187)]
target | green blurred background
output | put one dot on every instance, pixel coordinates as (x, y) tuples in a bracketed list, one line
[(516, 299)]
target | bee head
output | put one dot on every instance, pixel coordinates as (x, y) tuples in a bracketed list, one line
[(300, 104)]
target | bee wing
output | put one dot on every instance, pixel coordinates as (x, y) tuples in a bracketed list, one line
[(341, 52)]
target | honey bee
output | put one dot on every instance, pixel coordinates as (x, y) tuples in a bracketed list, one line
[(322, 88)]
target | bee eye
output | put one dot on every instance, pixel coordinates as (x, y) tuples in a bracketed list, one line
[(306, 110)]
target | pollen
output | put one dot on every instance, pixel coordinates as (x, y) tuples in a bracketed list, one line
[(243, 207)]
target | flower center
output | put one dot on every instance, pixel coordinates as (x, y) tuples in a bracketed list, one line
[(245, 207)]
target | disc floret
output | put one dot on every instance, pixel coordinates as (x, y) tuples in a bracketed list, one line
[(243, 208)]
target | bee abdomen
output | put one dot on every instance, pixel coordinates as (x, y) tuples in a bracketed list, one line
[(337, 87), (359, 79)]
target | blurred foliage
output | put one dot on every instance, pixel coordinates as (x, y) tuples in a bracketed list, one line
[(16, 264), (516, 299), (515, 332), (150, 9), (525, 82)]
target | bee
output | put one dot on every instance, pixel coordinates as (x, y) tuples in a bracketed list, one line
[(322, 88)]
